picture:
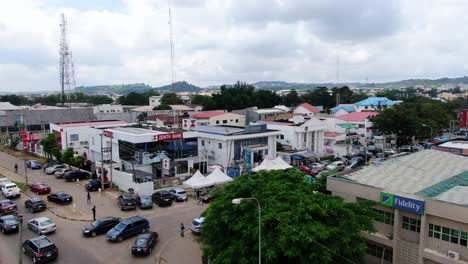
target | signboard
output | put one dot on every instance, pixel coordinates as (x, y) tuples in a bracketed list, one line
[(463, 117), (166, 166), (402, 203), (248, 162), (168, 137), (108, 134), (189, 123), (249, 129)]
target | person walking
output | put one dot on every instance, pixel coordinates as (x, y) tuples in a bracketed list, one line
[(181, 229), (88, 198), (16, 167), (200, 200), (94, 213)]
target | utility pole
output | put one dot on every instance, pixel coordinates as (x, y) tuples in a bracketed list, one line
[(102, 166), (25, 172), (20, 255), (110, 165)]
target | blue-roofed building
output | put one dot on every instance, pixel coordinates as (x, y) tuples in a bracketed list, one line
[(343, 109), (374, 104)]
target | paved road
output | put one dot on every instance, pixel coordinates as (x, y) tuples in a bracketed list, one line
[(73, 247)]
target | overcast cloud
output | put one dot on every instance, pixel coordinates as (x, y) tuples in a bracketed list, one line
[(222, 41)]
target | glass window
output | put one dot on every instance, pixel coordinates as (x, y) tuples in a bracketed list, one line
[(74, 137), (384, 217), (380, 251), (220, 145), (217, 122), (224, 121), (411, 224), (203, 142), (448, 234)]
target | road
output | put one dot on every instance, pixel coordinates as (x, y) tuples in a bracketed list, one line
[(73, 247)]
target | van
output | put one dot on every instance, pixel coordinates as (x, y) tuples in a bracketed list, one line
[(127, 228)]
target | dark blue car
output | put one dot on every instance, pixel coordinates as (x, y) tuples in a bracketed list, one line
[(33, 164), (127, 228)]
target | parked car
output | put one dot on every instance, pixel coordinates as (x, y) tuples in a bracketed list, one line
[(305, 169), (317, 170), (41, 249), (197, 225), (101, 226), (3, 181), (126, 202), (33, 164), (342, 159), (35, 204), (53, 168), (42, 225), (144, 201), (127, 228), (178, 194), (315, 165), (76, 175), (10, 190), (40, 188), (336, 165), (47, 165), (144, 243), (405, 148), (94, 185), (374, 150), (162, 198), (8, 207), (356, 162), (389, 152), (322, 173), (60, 198), (365, 155), (61, 172), (9, 224)]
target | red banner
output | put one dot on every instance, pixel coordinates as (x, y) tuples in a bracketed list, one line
[(168, 137), (463, 115), (108, 134)]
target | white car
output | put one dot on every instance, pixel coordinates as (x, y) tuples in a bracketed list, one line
[(336, 165), (53, 169), (42, 225), (3, 181), (389, 152), (11, 190)]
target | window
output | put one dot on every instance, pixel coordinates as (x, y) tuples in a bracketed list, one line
[(379, 251), (220, 145), (224, 121), (237, 120), (217, 122), (74, 137), (203, 142), (281, 136), (361, 126), (384, 217), (411, 224), (366, 107), (448, 234)]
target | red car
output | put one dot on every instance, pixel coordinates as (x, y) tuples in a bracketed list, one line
[(317, 170), (40, 188), (306, 170)]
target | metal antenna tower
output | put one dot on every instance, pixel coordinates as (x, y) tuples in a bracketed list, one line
[(66, 67), (171, 39)]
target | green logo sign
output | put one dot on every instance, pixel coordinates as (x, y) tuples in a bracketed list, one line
[(387, 199)]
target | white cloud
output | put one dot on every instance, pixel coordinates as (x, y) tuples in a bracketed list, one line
[(223, 41)]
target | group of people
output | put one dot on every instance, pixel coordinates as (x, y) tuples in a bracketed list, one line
[(200, 195)]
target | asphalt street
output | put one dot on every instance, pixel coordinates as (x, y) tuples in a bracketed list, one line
[(73, 247)]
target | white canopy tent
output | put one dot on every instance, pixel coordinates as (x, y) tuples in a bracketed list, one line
[(195, 178), (272, 164), (219, 177)]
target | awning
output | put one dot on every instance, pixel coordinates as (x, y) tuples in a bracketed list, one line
[(297, 156), (308, 154)]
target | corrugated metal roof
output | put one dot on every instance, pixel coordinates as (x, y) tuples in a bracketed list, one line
[(357, 116), (375, 101), (221, 130)]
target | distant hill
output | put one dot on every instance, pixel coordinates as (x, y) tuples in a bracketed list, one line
[(135, 87), (279, 85)]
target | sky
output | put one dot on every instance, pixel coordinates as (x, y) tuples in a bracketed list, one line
[(222, 41)]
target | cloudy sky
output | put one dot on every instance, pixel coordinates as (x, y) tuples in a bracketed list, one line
[(221, 41)]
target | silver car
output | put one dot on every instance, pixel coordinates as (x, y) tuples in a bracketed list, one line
[(54, 168), (42, 225), (197, 225), (178, 194)]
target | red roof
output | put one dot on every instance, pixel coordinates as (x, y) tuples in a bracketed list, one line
[(309, 107), (207, 114), (357, 116), (92, 123), (332, 134)]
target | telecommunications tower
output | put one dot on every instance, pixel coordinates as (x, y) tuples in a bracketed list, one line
[(66, 67)]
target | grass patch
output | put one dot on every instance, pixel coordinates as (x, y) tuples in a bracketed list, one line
[(22, 155), (23, 186)]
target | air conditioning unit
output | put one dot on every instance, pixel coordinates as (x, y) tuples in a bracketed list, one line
[(453, 255)]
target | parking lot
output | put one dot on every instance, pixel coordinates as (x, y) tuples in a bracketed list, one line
[(74, 248)]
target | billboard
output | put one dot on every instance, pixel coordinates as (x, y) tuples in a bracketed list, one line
[(463, 117), (169, 137), (402, 203), (166, 166), (189, 123)]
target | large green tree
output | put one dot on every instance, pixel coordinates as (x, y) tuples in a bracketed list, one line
[(292, 99), (171, 99), (299, 225), (50, 146), (320, 96)]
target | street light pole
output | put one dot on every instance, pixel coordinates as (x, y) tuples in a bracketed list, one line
[(238, 201), (424, 125), (25, 172)]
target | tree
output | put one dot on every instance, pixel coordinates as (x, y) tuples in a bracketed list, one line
[(78, 161), (99, 99), (204, 100), (298, 224), (292, 99), (320, 96), (346, 95), (171, 99), (14, 141), (49, 144), (133, 99), (68, 156)]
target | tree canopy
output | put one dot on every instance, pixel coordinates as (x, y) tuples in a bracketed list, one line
[(298, 224), (134, 98), (320, 96), (292, 99), (171, 99), (50, 146)]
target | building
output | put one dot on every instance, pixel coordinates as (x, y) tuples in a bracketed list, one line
[(253, 114), (107, 108), (235, 149), (306, 109), (358, 124), (456, 146), (298, 132), (215, 118), (422, 207), (343, 109), (155, 101), (374, 104)]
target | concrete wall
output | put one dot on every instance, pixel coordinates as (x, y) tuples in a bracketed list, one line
[(126, 116), (302, 110), (229, 118), (125, 180), (46, 116), (107, 108)]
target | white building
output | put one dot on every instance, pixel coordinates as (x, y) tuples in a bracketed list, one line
[(306, 109), (374, 104), (216, 118), (155, 101), (107, 108)]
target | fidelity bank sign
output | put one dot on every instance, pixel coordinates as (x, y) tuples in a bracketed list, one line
[(402, 203)]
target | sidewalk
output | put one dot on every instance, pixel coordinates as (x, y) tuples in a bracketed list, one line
[(181, 250)]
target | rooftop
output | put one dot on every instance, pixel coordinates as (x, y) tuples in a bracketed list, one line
[(460, 144), (181, 108), (310, 107), (268, 111), (8, 106), (348, 108), (375, 101), (221, 130), (135, 130), (207, 114), (357, 116), (92, 123), (429, 173)]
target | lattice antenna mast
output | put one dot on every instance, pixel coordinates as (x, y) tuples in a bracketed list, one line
[(66, 67), (171, 40)]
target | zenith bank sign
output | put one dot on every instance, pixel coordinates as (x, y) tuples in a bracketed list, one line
[(168, 137), (402, 203)]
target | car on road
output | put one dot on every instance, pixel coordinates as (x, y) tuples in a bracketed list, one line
[(100, 226), (144, 243), (35, 204), (60, 198), (336, 165), (94, 185), (47, 165), (41, 249), (197, 225), (178, 194), (3, 181), (9, 224), (8, 207), (61, 172), (40, 188), (315, 165), (42, 225), (53, 168), (405, 148), (144, 201), (127, 202), (76, 175), (127, 228), (342, 159), (389, 152), (33, 164), (162, 198), (10, 190)]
